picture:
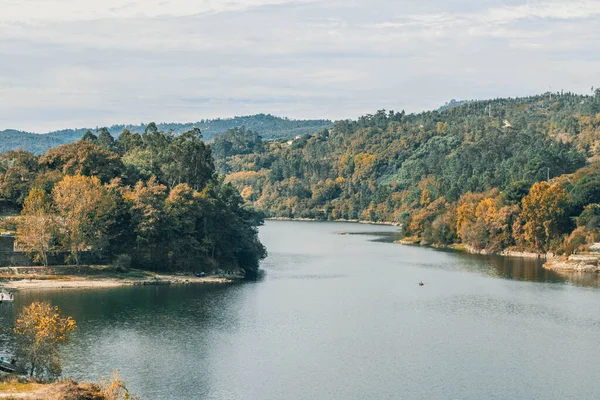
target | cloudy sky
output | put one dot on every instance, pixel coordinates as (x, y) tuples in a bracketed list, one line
[(76, 63)]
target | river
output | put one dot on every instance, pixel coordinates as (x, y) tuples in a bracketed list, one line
[(342, 317)]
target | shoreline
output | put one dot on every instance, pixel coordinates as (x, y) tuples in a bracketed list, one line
[(102, 280), (586, 263), (575, 263), (353, 221)]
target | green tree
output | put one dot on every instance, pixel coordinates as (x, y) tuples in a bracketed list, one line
[(105, 139)]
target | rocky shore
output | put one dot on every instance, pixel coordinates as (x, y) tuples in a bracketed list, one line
[(575, 263)]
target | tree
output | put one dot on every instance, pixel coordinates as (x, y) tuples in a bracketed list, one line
[(515, 191), (41, 330), (114, 388), (128, 141), (590, 217), (105, 139), (544, 214), (18, 170), (36, 228), (85, 214), (147, 211), (84, 158), (183, 212), (89, 136)]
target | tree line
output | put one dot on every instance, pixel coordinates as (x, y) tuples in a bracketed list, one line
[(154, 199)]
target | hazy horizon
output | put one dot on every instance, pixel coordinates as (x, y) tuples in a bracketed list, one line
[(75, 64)]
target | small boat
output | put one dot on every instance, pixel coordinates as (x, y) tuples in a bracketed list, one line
[(421, 283), (6, 296), (342, 232)]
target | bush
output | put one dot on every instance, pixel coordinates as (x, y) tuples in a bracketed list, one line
[(122, 263)]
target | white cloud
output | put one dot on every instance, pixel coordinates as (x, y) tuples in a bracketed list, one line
[(85, 10), (87, 63)]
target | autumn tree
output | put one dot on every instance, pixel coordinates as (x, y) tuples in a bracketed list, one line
[(40, 331), (544, 214), (85, 210), (84, 158), (36, 228)]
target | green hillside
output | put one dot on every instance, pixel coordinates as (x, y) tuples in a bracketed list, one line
[(420, 169)]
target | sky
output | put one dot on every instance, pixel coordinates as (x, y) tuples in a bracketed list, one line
[(86, 63)]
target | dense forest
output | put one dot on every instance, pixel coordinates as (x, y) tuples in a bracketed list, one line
[(268, 125), (152, 200), (504, 173)]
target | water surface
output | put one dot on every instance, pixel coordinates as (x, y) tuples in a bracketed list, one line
[(342, 317)]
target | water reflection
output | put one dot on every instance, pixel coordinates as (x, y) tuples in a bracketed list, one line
[(515, 268), (342, 317)]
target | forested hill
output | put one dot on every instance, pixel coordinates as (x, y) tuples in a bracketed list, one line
[(423, 170), (268, 126)]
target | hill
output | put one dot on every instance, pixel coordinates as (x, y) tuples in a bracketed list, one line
[(268, 126), (424, 170)]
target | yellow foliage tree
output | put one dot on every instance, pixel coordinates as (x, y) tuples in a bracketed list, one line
[(40, 331), (37, 226)]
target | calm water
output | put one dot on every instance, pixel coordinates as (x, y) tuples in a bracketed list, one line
[(342, 317)]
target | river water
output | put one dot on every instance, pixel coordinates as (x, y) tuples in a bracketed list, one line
[(342, 317)]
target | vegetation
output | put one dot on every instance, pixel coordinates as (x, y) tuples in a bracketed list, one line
[(470, 172), (154, 198), (113, 388), (40, 331), (268, 125)]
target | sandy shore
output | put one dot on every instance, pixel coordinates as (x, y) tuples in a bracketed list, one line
[(75, 282)]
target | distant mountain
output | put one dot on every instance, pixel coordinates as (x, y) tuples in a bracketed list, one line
[(266, 125)]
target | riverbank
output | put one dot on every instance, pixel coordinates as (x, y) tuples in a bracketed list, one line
[(96, 277), (575, 263), (354, 221), (469, 249)]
